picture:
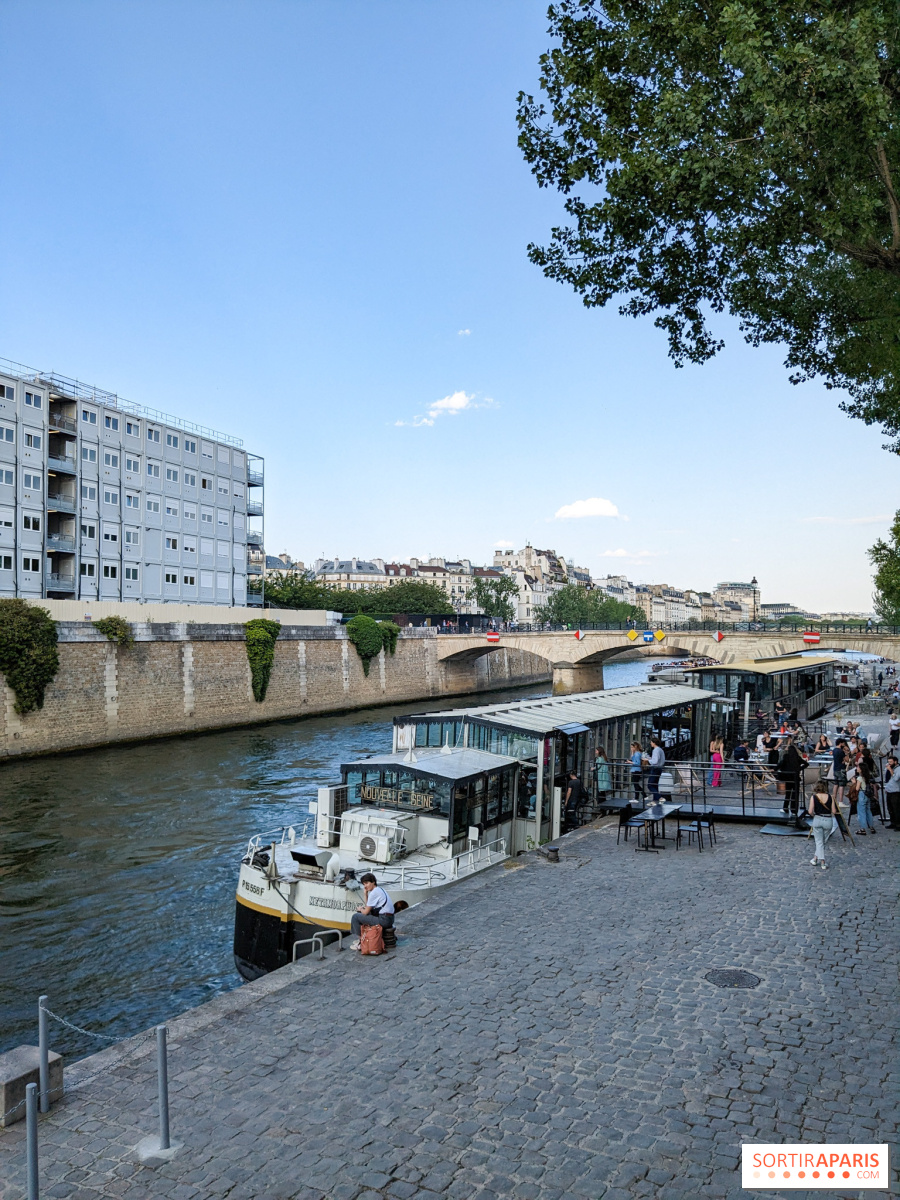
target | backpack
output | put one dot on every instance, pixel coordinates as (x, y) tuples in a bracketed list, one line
[(371, 940)]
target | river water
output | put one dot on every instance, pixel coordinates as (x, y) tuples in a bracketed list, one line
[(118, 866)]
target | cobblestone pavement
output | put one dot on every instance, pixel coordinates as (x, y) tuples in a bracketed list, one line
[(545, 1031)]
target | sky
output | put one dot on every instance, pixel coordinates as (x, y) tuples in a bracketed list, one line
[(306, 224)]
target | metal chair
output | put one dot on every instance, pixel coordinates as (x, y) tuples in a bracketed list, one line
[(707, 821), (627, 821), (694, 829)]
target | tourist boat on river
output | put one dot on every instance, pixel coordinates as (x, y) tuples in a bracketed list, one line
[(460, 791)]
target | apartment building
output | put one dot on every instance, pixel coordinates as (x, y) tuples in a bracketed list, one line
[(104, 499)]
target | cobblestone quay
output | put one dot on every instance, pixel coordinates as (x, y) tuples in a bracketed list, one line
[(545, 1031)]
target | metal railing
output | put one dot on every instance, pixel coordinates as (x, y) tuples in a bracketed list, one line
[(60, 583), (61, 424), (419, 875), (62, 542), (62, 462), (254, 508), (318, 942), (677, 627), (255, 478), (55, 500)]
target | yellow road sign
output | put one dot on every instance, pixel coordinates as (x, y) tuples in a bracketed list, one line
[(631, 635), (659, 635)]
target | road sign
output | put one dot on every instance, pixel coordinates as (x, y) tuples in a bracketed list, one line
[(493, 637), (647, 635), (718, 635), (812, 639), (659, 635), (579, 635), (631, 635)]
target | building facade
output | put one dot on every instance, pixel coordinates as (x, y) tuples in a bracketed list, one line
[(104, 499)]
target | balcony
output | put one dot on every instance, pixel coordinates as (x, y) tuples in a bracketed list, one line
[(60, 583), (254, 478), (61, 424), (254, 568), (254, 537), (60, 462), (63, 543), (57, 502), (254, 508), (254, 599)]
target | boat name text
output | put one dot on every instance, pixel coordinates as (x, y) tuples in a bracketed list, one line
[(387, 795)]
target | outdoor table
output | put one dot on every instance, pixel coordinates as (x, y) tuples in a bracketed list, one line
[(655, 814)]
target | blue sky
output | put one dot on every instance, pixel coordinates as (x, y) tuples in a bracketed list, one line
[(305, 224)]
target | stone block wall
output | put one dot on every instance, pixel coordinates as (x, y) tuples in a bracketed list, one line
[(179, 678)]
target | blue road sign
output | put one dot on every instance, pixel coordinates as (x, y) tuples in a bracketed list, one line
[(647, 635)]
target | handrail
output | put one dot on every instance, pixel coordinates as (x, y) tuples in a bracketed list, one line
[(319, 937)]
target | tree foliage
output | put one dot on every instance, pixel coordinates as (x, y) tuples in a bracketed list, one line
[(734, 154), (405, 596), (574, 605), (29, 657), (370, 637), (885, 556), (496, 597), (261, 637), (115, 629)]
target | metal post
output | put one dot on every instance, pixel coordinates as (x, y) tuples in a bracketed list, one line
[(746, 712), (31, 1140), (44, 1048), (163, 1073)]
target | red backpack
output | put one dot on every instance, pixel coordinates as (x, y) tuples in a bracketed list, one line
[(371, 939)]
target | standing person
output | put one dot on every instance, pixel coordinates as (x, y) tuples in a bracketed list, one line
[(575, 796), (377, 910), (864, 780), (790, 764), (839, 768), (892, 791), (894, 727), (657, 762), (714, 777), (602, 783), (637, 770), (823, 810)]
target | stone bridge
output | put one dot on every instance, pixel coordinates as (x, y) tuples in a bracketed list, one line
[(577, 663)]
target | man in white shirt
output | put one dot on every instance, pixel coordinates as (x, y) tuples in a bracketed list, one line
[(894, 726), (657, 762), (377, 910)]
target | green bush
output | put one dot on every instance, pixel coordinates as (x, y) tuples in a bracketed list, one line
[(389, 635), (28, 655), (370, 636), (261, 636), (116, 629)]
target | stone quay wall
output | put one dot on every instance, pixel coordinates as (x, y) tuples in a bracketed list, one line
[(183, 678)]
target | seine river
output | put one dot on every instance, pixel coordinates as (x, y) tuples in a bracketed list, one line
[(118, 866)]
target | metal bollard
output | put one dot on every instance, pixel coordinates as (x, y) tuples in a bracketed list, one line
[(31, 1140), (44, 1047), (163, 1073)]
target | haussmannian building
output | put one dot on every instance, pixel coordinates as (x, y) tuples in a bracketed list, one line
[(103, 499)]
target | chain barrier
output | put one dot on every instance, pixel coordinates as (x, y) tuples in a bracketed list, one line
[(15, 1108), (104, 1037)]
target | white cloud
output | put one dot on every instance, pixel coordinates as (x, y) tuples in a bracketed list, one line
[(620, 553), (464, 332), (451, 405), (504, 545), (846, 520), (595, 507)]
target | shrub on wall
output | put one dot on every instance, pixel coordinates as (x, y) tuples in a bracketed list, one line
[(261, 637), (28, 655), (116, 629), (369, 636)]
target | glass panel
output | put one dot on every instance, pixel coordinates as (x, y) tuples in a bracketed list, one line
[(527, 792)]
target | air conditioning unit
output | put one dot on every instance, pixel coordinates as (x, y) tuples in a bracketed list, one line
[(376, 849)]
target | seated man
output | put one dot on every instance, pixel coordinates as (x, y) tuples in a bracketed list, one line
[(378, 909)]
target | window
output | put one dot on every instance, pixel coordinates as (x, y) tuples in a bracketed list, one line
[(238, 552), (153, 504), (6, 392), (206, 579), (88, 570), (110, 497), (90, 418), (31, 564), (190, 514), (206, 546), (111, 422), (189, 546), (6, 477), (110, 460), (88, 531), (206, 451), (206, 515), (171, 508), (172, 440), (238, 491), (171, 543), (33, 400), (34, 440), (132, 537), (223, 582), (223, 487), (205, 483), (171, 475), (188, 579), (110, 535), (153, 470), (110, 571), (189, 479), (222, 549), (132, 500), (7, 433), (189, 446), (239, 520), (88, 492), (171, 577), (132, 464), (152, 435), (33, 523), (223, 455), (88, 454), (6, 562), (224, 518), (32, 481), (131, 573), (238, 460), (133, 427)]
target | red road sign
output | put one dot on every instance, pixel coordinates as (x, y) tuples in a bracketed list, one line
[(493, 637), (579, 634), (718, 635), (811, 638)]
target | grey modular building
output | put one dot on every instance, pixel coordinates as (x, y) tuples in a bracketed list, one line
[(103, 499)]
